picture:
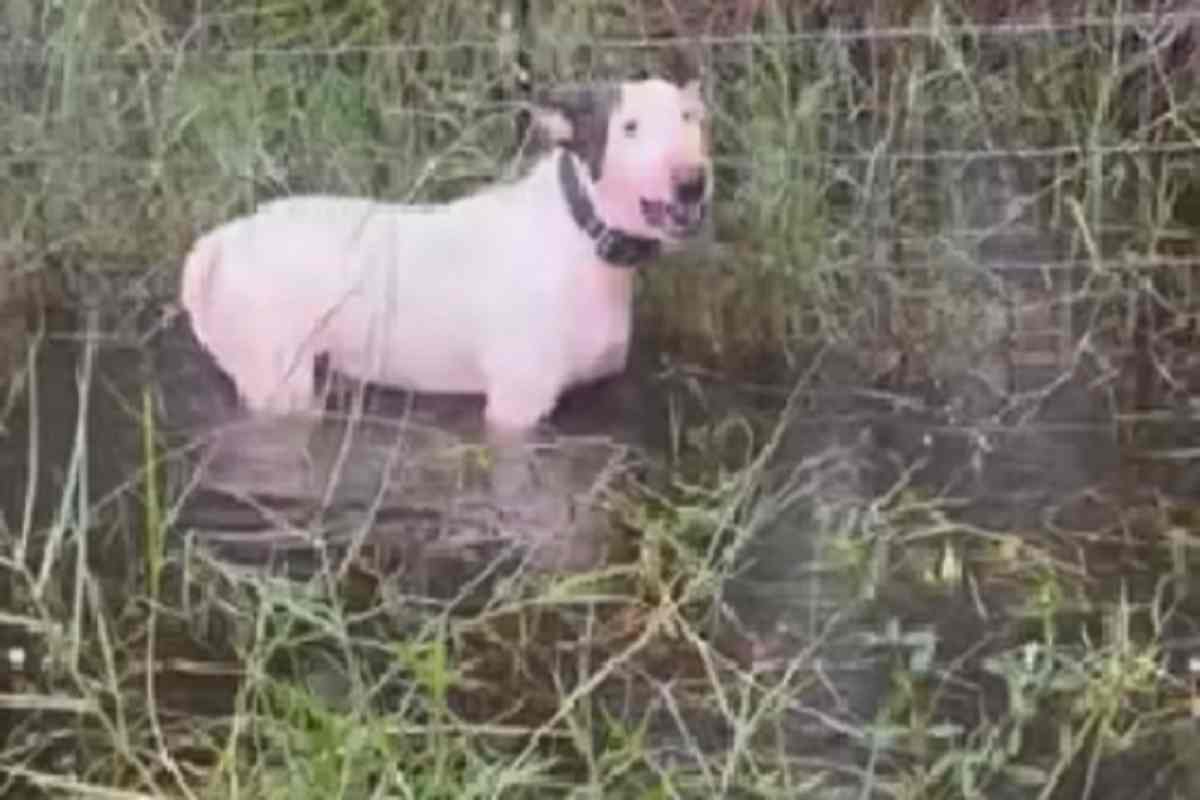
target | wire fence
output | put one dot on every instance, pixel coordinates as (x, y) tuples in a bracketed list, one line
[(1166, 27)]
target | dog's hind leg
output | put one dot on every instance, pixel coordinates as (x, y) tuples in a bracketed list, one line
[(275, 380)]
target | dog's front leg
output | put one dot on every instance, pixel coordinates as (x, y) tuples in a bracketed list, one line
[(522, 389), (516, 405)]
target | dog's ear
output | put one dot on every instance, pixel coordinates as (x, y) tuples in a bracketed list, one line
[(682, 65), (559, 112), (577, 118), (551, 126), (693, 90)]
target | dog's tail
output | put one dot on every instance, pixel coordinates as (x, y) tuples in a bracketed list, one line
[(198, 271)]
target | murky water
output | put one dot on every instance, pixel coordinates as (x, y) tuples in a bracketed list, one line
[(381, 469), (1056, 462)]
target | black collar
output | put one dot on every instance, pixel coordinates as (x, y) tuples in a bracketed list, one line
[(613, 245)]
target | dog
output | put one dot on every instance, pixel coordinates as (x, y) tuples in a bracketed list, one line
[(516, 292)]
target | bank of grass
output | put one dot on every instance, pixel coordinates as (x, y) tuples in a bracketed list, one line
[(126, 130)]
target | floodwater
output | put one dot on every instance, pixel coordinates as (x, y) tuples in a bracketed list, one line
[(1075, 462), (901, 516), (379, 469)]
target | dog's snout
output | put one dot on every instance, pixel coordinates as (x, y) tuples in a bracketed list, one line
[(690, 184)]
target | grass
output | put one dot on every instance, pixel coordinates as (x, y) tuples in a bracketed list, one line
[(633, 679), (794, 608)]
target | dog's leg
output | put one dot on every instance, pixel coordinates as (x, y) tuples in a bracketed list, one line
[(514, 409), (270, 448), (275, 380), (521, 391), (516, 403)]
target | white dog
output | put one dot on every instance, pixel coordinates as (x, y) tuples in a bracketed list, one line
[(516, 292)]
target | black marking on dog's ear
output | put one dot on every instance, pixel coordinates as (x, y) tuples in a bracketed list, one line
[(587, 109), (682, 66)]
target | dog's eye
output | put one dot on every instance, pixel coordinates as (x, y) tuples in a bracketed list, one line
[(691, 116), (631, 128)]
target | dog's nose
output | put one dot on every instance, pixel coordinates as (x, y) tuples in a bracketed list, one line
[(690, 183)]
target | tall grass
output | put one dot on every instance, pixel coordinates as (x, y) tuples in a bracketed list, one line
[(873, 187), (130, 127)]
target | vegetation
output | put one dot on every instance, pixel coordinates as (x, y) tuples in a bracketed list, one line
[(947, 201)]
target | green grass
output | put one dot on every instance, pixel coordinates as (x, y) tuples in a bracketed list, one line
[(124, 131), (127, 130)]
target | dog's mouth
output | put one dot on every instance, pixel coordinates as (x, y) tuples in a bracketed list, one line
[(677, 220)]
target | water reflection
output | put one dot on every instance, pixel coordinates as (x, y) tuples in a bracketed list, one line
[(400, 486)]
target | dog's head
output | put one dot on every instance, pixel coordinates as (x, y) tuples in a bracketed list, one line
[(645, 146)]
